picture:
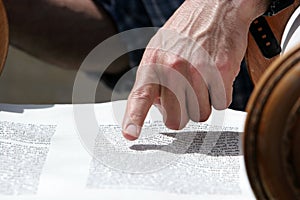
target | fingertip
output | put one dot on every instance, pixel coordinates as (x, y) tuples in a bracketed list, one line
[(222, 105), (131, 132), (175, 124), (138, 105), (129, 137), (203, 114)]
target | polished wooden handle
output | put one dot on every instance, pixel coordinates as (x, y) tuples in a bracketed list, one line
[(272, 131), (256, 62), (3, 35)]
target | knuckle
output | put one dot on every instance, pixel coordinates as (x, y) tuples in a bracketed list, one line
[(136, 117), (228, 67), (142, 94), (177, 63), (224, 66)]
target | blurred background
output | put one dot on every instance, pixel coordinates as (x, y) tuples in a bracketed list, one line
[(27, 80)]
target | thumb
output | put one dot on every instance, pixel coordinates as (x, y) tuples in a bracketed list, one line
[(138, 105)]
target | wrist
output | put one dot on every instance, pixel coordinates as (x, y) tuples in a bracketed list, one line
[(251, 9), (247, 10)]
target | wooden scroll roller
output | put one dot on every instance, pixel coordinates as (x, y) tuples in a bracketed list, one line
[(3, 35), (272, 129)]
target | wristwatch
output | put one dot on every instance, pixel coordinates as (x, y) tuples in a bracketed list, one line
[(262, 33), (276, 6)]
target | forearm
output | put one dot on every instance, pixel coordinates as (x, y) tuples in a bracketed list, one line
[(245, 10), (253, 8), (61, 32)]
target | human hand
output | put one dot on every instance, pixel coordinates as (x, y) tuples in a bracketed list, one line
[(191, 63)]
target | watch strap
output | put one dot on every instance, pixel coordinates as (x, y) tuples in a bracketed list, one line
[(264, 37)]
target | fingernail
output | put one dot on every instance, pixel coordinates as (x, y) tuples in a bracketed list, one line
[(132, 130)]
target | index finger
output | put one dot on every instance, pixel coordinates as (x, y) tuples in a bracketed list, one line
[(142, 96)]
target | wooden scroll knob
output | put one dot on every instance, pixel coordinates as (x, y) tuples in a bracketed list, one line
[(272, 131), (3, 35)]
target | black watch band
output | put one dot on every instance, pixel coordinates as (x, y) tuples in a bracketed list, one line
[(264, 37), (276, 6), (262, 32)]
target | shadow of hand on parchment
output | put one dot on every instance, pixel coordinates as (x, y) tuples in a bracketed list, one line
[(217, 143)]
